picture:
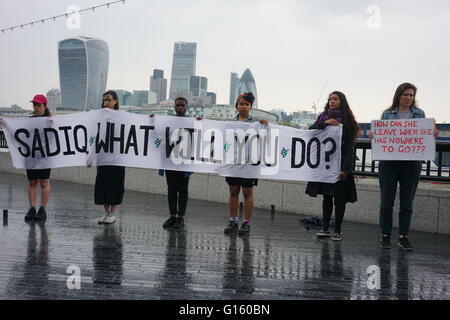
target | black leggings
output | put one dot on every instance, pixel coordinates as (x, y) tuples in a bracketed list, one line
[(177, 185), (328, 210)]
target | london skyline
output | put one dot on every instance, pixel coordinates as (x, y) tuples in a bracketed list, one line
[(292, 48)]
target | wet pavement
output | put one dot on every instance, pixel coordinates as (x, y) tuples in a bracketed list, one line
[(137, 259)]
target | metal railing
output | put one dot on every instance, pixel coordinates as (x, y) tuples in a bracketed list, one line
[(3, 144), (431, 170)]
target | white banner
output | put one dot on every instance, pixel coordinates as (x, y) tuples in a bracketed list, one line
[(406, 139), (228, 148)]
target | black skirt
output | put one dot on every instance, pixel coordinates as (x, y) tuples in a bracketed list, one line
[(343, 189), (38, 174), (109, 185), (243, 182)]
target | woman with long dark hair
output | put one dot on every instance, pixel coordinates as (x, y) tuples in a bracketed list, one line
[(337, 111), (110, 180), (405, 173)]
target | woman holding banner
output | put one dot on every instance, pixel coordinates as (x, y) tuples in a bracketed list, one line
[(244, 105), (38, 176), (405, 173), (110, 180), (337, 111)]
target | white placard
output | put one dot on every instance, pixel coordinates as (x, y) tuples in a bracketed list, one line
[(406, 139)]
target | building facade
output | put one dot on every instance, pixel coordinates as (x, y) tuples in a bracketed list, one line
[(53, 100), (158, 85), (234, 81), (183, 67), (247, 84), (198, 86), (83, 72)]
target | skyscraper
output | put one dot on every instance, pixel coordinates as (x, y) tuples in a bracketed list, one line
[(157, 73), (183, 67), (213, 97), (83, 72), (234, 81), (53, 100), (247, 84), (198, 86), (158, 85)]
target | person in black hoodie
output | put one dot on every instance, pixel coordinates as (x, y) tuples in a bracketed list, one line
[(337, 111)]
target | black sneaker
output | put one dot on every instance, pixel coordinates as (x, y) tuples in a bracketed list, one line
[(31, 214), (179, 223), (232, 226), (323, 234), (337, 237), (244, 229), (405, 244), (170, 222), (41, 214), (386, 242)]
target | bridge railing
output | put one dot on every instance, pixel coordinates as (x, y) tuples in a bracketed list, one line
[(3, 144), (438, 170)]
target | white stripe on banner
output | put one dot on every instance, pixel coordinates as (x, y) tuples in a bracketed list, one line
[(228, 148)]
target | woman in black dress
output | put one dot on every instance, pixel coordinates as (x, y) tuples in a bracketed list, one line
[(337, 111), (110, 180)]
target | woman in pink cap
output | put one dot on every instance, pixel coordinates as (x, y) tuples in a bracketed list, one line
[(39, 176)]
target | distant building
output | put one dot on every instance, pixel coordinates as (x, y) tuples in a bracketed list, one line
[(152, 98), (158, 85), (183, 67), (303, 118), (247, 84), (158, 74), (83, 72), (14, 111), (140, 98), (213, 97), (123, 96), (234, 81), (53, 100), (198, 86)]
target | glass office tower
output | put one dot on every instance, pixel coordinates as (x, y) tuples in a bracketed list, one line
[(83, 72), (183, 67)]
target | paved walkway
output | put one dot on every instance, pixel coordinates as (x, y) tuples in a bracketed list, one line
[(137, 259)]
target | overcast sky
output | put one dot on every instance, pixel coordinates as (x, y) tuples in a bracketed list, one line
[(292, 47)]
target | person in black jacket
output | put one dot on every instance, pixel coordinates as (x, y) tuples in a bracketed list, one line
[(337, 111)]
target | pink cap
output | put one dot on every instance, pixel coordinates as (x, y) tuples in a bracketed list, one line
[(39, 98)]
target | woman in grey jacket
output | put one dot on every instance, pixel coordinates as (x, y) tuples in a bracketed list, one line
[(405, 173)]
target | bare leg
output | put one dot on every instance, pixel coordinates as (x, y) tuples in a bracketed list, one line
[(234, 200), (32, 192), (248, 202), (45, 191)]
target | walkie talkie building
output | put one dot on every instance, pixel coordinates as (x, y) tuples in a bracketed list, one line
[(83, 72)]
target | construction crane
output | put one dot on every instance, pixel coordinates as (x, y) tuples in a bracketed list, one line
[(320, 96)]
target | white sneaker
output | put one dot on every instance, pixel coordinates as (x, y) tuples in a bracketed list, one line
[(102, 219), (110, 218)]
